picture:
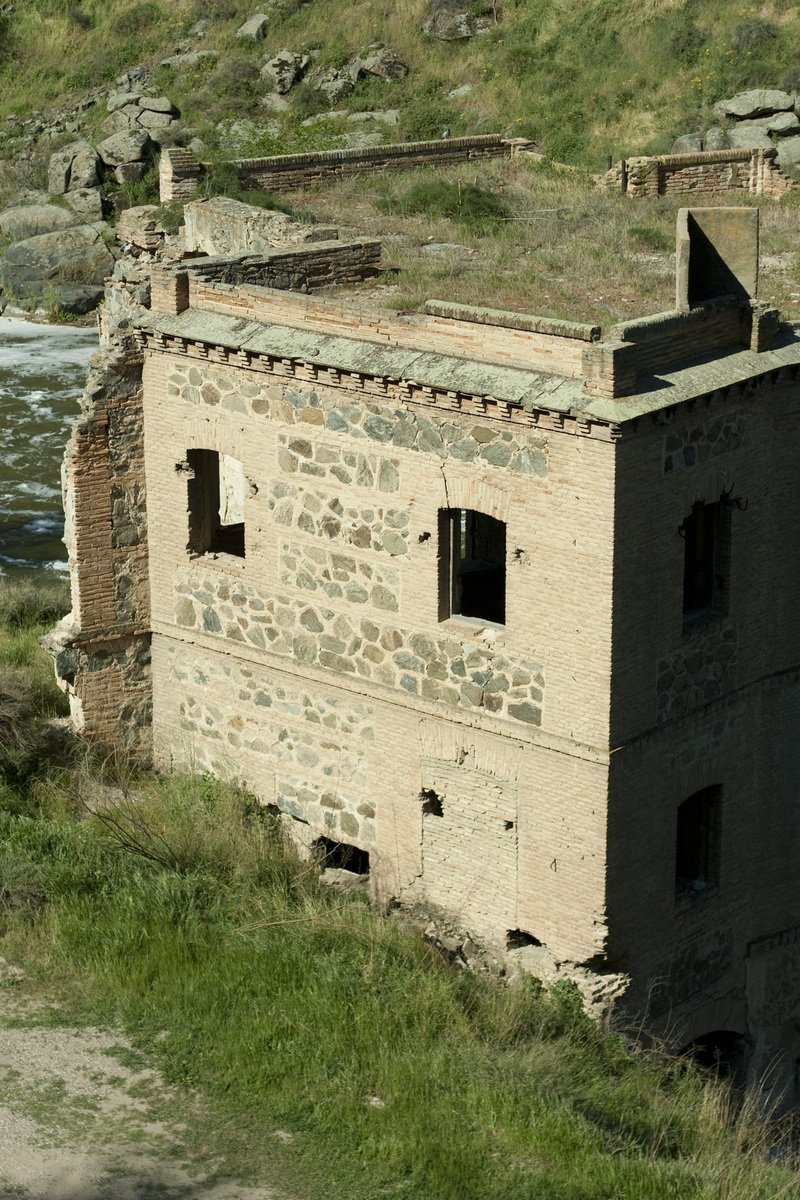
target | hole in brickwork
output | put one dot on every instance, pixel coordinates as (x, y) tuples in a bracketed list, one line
[(341, 856), (509, 824), (424, 537), (517, 938), (431, 802)]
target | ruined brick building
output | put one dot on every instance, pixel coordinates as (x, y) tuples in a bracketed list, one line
[(502, 609)]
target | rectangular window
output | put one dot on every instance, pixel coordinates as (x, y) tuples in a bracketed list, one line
[(697, 843), (472, 564), (706, 535), (216, 503)]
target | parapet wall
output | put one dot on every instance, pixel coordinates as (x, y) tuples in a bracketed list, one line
[(749, 170), (180, 172)]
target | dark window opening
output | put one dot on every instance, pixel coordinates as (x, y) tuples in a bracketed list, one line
[(472, 549), (341, 856), (721, 1051), (697, 843), (431, 802), (706, 535), (216, 503), (517, 938)]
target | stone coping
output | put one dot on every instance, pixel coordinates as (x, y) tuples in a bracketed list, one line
[(550, 326), (512, 385)]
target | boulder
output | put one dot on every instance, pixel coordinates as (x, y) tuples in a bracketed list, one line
[(73, 166), (687, 143), (716, 139), (155, 120), (130, 172), (132, 146), (16, 224), (782, 124), (747, 135), (756, 103), (159, 104), (75, 255), (188, 62), (789, 153), (255, 27), (86, 203), (333, 84), (382, 63), (76, 299), (283, 70), (451, 20), (117, 100)]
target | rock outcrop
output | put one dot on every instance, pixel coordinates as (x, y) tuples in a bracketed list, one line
[(756, 119)]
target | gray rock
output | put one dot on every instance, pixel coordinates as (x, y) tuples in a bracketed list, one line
[(187, 62), (451, 20), (272, 102), (159, 104), (382, 63), (117, 100), (386, 116), (16, 224), (75, 255), (86, 203), (716, 139), (747, 135), (128, 147), (199, 28), (255, 27), (458, 92), (284, 70), (76, 299), (789, 153), (155, 120), (782, 124), (333, 84), (756, 103), (130, 172), (73, 166), (687, 143)]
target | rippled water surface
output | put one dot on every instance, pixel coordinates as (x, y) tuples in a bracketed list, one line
[(42, 371)]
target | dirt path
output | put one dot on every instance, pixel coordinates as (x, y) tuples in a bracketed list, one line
[(83, 1118)]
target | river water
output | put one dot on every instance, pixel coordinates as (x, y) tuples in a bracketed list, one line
[(42, 371)]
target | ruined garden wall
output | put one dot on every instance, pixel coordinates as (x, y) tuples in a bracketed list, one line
[(181, 173), (318, 666), (753, 171)]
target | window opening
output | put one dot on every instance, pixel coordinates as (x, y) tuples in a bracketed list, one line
[(721, 1051), (473, 565), (517, 938), (341, 856), (697, 843), (706, 534), (431, 802), (216, 503)]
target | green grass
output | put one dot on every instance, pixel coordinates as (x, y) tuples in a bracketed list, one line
[(585, 79), (173, 907)]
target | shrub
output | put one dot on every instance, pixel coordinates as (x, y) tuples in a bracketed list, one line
[(437, 198), (754, 34), (24, 604)]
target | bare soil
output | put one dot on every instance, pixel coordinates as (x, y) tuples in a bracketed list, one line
[(83, 1117)]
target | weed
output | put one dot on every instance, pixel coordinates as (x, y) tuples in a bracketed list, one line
[(467, 203)]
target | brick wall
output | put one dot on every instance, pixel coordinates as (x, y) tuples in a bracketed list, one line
[(753, 171), (181, 173), (703, 700)]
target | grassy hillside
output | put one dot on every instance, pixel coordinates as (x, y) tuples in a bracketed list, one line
[(317, 1045), (586, 78)]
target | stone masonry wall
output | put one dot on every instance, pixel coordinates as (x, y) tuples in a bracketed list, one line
[(336, 606)]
